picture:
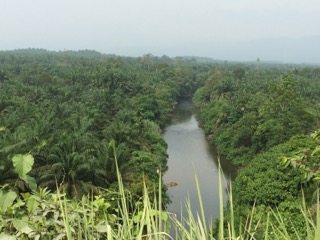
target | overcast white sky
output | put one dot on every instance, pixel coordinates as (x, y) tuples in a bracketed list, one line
[(283, 30)]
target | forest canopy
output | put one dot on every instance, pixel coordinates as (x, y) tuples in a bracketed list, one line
[(66, 108), (69, 121)]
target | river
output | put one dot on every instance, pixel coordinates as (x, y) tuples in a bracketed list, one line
[(190, 154)]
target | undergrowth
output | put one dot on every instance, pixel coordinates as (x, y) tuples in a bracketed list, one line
[(45, 215)]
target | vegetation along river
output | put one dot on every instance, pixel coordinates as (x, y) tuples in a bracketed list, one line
[(190, 154)]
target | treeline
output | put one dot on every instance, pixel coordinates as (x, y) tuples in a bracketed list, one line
[(74, 112), (260, 117)]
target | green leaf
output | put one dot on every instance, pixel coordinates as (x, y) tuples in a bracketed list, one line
[(103, 228), (22, 164), (164, 216), (31, 182), (22, 226), (60, 236), (7, 199), (137, 217), (13, 146), (32, 204), (4, 236), (316, 151)]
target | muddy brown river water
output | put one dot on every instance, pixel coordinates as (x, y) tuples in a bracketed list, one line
[(189, 154)]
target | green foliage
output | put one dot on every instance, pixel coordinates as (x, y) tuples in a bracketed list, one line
[(6, 199), (44, 215), (266, 181), (22, 165), (258, 120), (65, 108), (75, 112), (250, 114), (306, 159)]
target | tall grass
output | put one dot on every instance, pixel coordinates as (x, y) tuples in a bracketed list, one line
[(151, 221)]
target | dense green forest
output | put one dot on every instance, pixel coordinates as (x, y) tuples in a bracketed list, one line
[(66, 108), (265, 120), (72, 123)]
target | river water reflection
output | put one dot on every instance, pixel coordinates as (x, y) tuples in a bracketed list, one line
[(190, 154)]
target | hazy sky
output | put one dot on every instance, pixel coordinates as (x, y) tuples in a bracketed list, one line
[(284, 30)]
